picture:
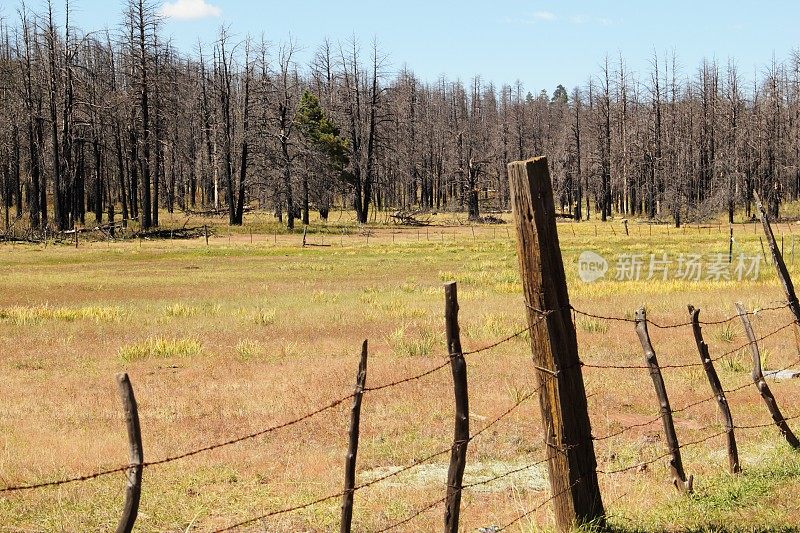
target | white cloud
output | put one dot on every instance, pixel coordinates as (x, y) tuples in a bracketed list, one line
[(545, 15), (189, 10), (533, 18)]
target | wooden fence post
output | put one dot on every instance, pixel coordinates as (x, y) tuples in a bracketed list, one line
[(352, 448), (777, 257), (133, 487), (572, 465), (205, 232), (716, 387), (730, 247), (458, 454), (675, 464), (761, 384)]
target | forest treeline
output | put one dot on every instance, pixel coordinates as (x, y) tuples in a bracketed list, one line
[(118, 124)]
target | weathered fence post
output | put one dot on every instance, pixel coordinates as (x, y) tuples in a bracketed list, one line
[(730, 247), (133, 487), (760, 382), (780, 266), (716, 387), (458, 454), (205, 232), (352, 448), (572, 465), (679, 478)]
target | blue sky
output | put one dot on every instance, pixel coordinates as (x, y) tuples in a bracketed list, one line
[(540, 43)]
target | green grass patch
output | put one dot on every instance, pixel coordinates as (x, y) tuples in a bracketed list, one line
[(161, 348), (25, 316)]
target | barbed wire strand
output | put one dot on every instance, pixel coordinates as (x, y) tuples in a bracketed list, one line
[(662, 456), (384, 477), (433, 504), (538, 507), (690, 365), (655, 419), (658, 325), (419, 512), (249, 436)]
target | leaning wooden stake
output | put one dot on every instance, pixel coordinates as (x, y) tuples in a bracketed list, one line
[(458, 454), (761, 384), (679, 478), (352, 448), (719, 392), (572, 465), (133, 488), (780, 266), (730, 247)]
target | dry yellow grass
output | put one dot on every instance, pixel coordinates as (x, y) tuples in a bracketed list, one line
[(234, 337)]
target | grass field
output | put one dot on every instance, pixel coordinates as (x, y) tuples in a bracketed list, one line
[(252, 330)]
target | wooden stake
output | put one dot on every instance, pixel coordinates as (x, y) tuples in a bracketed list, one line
[(730, 247), (625, 223), (675, 464), (133, 487), (458, 454), (352, 448), (758, 378), (205, 232), (780, 266), (716, 388), (572, 465)]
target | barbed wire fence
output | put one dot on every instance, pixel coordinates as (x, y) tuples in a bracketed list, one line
[(544, 317)]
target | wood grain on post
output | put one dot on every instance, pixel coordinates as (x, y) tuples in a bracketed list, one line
[(777, 257), (760, 382), (458, 454), (572, 465), (352, 448), (675, 464), (719, 392), (133, 487)]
